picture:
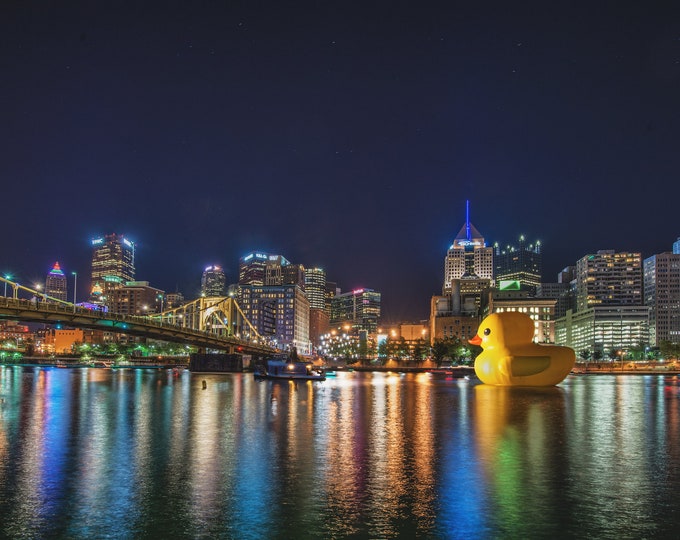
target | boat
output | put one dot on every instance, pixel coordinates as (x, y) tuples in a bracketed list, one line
[(288, 369)]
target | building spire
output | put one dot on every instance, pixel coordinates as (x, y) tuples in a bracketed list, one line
[(468, 234)]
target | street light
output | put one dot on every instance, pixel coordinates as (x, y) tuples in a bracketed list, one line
[(75, 286), (7, 276)]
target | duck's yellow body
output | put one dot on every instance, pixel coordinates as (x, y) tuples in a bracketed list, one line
[(510, 358)]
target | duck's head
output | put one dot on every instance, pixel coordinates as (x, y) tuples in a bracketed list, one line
[(506, 328)]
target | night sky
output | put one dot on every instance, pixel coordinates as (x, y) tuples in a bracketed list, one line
[(346, 135)]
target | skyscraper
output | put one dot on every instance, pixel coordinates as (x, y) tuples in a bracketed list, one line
[(252, 268), (359, 308), (213, 281), (519, 264), (662, 295), (315, 287), (609, 278), (55, 283), (609, 312), (468, 256), (113, 264)]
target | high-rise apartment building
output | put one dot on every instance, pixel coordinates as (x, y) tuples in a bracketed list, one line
[(467, 257), (662, 296), (213, 281), (113, 264), (522, 264), (55, 283), (359, 308), (676, 247)]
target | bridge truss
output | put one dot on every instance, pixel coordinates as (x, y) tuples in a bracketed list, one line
[(220, 316)]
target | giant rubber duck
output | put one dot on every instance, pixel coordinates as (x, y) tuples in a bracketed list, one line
[(510, 358)]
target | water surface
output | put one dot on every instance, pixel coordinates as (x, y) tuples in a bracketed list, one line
[(141, 453)]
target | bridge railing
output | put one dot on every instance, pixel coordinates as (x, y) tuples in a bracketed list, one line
[(70, 311)]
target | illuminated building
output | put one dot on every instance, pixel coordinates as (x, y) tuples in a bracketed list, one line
[(446, 320), (174, 300), (468, 256), (521, 264), (280, 313), (602, 329), (610, 313), (608, 278), (113, 264), (315, 287), (541, 310), (55, 283), (661, 276), (252, 269), (213, 281), (136, 298), (359, 308), (280, 271)]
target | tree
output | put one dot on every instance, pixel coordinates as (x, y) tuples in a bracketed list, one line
[(439, 349)]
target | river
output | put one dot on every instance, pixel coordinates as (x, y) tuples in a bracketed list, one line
[(146, 453)]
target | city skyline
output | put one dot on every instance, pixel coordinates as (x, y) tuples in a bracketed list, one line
[(82, 296), (347, 139)]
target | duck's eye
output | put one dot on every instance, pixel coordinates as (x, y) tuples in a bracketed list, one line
[(487, 331)]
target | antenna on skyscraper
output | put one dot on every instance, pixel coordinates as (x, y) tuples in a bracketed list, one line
[(467, 221)]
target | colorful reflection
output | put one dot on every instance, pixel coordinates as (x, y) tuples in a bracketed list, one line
[(126, 453)]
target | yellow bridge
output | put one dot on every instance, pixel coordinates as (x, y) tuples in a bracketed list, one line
[(207, 323)]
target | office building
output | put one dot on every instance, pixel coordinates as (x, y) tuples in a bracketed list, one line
[(280, 314), (609, 313), (467, 257), (315, 287), (113, 264), (359, 309), (521, 264), (446, 320), (252, 268), (661, 275), (609, 278), (136, 298), (602, 329), (540, 310), (56, 284), (213, 281)]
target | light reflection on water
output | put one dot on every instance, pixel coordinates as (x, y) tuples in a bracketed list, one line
[(91, 453)]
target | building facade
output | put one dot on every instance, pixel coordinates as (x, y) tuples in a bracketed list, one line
[(468, 256), (280, 313), (252, 268), (602, 329), (522, 264), (113, 264), (540, 310), (446, 321), (359, 308), (136, 298), (213, 281), (56, 284), (609, 278), (661, 275)]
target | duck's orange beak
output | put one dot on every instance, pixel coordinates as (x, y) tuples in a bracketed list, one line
[(475, 340)]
